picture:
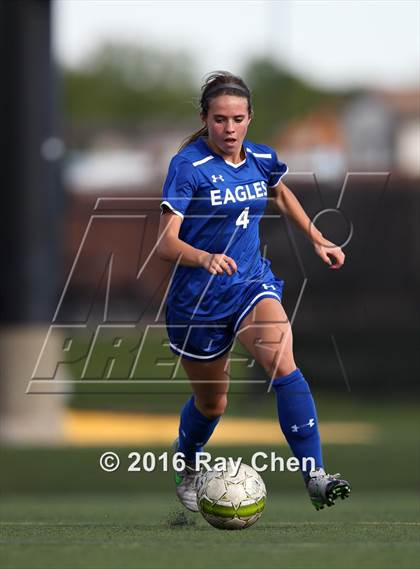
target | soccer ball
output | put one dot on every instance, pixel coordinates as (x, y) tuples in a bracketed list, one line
[(227, 501)]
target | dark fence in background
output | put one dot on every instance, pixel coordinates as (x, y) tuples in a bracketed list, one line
[(355, 329)]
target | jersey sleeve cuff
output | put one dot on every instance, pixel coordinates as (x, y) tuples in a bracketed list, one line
[(279, 180), (181, 215)]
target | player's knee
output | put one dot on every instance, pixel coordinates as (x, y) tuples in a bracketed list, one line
[(212, 407), (280, 365)]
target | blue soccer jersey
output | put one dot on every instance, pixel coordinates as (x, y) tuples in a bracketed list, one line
[(221, 205)]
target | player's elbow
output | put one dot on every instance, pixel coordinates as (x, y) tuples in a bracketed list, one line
[(163, 250)]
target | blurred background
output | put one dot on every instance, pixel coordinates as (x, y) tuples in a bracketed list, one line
[(97, 96)]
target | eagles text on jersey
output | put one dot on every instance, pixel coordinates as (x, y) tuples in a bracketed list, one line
[(221, 204)]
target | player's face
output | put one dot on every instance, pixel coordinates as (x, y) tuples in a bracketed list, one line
[(227, 122)]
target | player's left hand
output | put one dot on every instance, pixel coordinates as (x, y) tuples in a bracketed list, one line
[(330, 253)]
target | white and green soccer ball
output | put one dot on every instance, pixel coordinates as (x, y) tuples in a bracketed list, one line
[(229, 501)]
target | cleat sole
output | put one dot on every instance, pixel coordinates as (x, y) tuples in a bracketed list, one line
[(337, 489)]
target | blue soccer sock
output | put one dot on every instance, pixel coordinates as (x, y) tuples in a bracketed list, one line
[(195, 429), (297, 417)]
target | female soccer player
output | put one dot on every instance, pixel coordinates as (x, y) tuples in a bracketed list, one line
[(213, 199)]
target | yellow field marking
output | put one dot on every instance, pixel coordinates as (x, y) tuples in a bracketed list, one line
[(103, 427)]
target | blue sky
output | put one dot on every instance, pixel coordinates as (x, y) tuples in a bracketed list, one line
[(329, 43)]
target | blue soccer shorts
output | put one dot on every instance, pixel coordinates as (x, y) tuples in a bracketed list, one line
[(205, 341)]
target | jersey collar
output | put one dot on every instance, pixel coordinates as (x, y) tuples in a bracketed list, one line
[(207, 148)]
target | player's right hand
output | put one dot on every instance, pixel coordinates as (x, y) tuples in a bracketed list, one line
[(218, 264)]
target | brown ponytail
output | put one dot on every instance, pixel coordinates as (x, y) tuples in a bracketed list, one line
[(218, 83)]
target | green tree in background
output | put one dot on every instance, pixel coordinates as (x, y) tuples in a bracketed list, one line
[(123, 82), (279, 96), (128, 84)]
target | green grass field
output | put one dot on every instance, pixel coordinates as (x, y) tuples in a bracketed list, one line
[(380, 530), (59, 510)]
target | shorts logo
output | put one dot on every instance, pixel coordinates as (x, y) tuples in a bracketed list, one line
[(214, 178), (266, 286)]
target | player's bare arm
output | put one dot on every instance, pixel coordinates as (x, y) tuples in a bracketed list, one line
[(289, 205)]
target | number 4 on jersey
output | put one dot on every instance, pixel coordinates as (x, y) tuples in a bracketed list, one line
[(243, 218)]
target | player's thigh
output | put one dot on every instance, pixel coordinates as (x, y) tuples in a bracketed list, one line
[(209, 382), (266, 334)]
